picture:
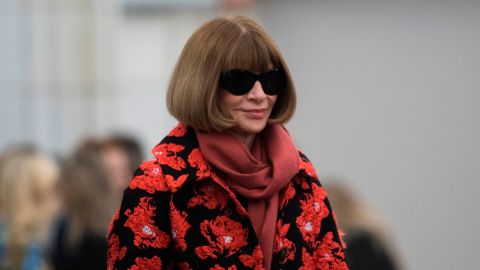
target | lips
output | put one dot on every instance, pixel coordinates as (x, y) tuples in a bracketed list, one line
[(256, 110), (256, 113)]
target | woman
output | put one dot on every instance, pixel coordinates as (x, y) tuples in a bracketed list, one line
[(28, 204), (227, 188)]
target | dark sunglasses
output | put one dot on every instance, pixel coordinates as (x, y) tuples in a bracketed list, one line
[(239, 82)]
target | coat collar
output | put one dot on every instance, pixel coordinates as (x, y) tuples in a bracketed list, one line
[(183, 164)]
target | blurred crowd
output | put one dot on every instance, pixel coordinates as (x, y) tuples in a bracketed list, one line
[(55, 213)]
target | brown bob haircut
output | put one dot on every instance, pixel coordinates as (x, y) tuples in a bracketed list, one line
[(219, 45)]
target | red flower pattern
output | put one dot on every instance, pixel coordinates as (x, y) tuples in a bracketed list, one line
[(147, 264), (174, 184), (180, 227), (167, 154), (196, 160), (304, 184), (114, 250), (254, 261), (327, 255), (210, 196), (308, 168), (313, 211), (184, 266), (218, 267), (115, 218), (282, 242), (151, 180), (141, 222), (179, 131), (225, 237), (204, 171), (286, 195)]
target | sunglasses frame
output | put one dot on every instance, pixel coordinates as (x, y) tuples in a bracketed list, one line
[(231, 81)]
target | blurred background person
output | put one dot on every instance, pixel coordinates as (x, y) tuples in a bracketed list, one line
[(369, 243), (121, 154), (87, 198), (28, 203)]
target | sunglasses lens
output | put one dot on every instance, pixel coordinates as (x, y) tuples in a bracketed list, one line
[(273, 82), (238, 82)]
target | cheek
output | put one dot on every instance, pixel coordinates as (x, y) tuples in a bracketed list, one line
[(228, 101)]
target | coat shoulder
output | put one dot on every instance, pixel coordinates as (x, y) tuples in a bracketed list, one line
[(306, 166), (149, 178), (179, 158)]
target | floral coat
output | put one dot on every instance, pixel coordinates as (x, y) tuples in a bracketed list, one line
[(178, 214)]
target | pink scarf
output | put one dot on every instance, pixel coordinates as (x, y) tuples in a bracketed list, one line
[(258, 175)]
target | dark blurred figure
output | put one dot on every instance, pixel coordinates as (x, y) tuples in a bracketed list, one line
[(88, 205), (28, 204), (368, 243)]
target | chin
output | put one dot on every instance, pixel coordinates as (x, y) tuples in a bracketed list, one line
[(252, 128)]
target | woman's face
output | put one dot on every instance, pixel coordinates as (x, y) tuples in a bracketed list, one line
[(251, 111)]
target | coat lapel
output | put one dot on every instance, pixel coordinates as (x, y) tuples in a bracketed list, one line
[(183, 164)]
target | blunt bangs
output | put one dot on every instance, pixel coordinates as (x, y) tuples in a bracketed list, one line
[(251, 52)]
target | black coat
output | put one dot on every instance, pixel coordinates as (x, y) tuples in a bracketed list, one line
[(178, 212)]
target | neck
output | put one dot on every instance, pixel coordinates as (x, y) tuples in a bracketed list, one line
[(244, 138)]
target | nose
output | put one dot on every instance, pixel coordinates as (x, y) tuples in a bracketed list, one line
[(256, 92)]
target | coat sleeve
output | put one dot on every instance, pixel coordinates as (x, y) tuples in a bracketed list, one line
[(139, 235), (330, 240), (329, 246)]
